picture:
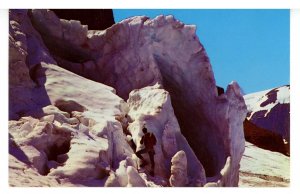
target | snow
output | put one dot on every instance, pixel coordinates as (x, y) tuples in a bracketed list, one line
[(134, 179), (283, 95), (254, 100), (21, 174), (178, 176), (263, 168)]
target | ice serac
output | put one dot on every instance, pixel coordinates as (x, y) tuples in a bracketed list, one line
[(134, 179), (140, 52), (26, 52), (131, 56), (178, 170), (151, 107), (236, 114)]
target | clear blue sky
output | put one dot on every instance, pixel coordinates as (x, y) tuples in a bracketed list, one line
[(251, 47)]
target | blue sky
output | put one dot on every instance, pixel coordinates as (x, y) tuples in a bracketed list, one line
[(251, 47)]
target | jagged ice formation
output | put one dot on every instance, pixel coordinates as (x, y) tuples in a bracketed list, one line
[(133, 54)]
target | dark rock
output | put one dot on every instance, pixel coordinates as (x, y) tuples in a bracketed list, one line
[(272, 96), (264, 138), (277, 120), (270, 110), (96, 19), (220, 90)]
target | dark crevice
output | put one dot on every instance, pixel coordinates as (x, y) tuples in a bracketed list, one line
[(33, 73), (124, 121), (69, 106), (194, 125), (220, 90), (65, 50), (55, 150)]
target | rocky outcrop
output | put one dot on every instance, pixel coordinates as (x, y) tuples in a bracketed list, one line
[(264, 138), (150, 63), (268, 119), (270, 109)]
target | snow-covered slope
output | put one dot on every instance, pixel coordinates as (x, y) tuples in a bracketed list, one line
[(70, 128), (264, 168)]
